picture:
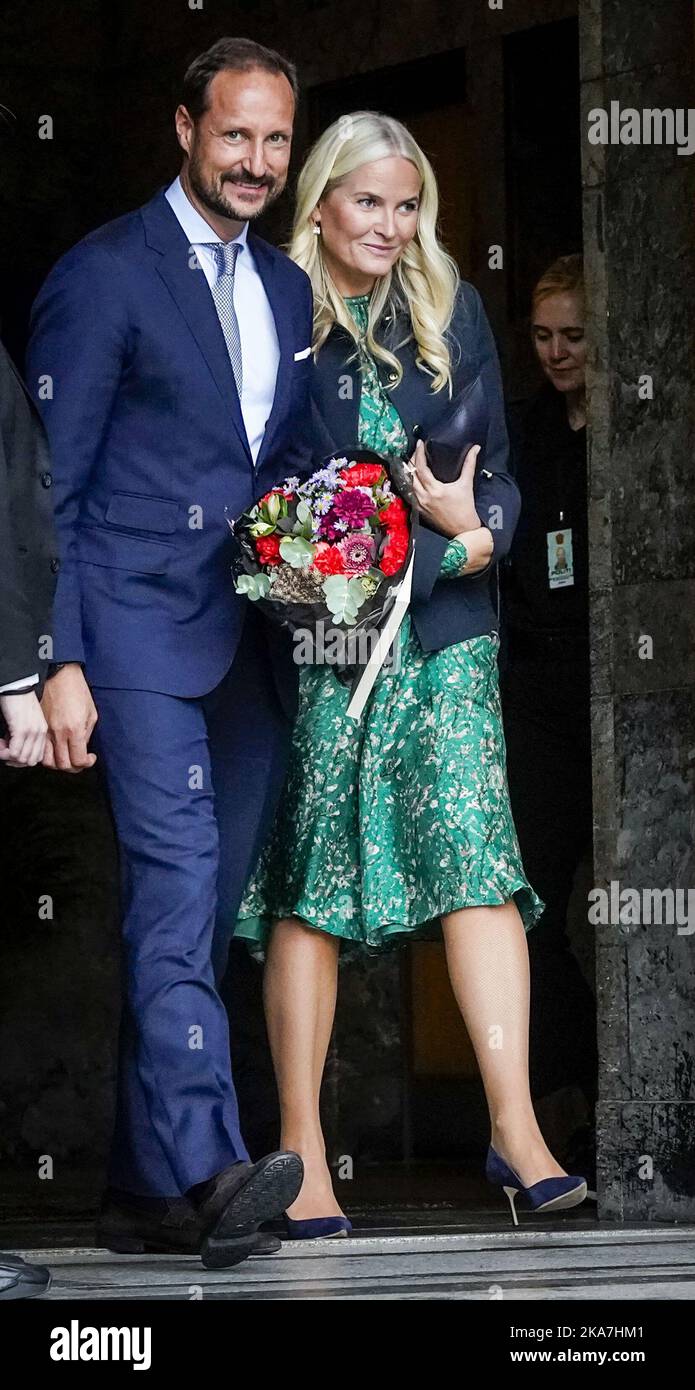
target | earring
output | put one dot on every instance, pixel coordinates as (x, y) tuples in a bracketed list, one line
[(317, 229)]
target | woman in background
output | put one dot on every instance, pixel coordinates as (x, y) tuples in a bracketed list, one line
[(545, 685), (402, 821)]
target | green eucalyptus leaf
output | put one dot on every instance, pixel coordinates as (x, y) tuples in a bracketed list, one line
[(254, 586), (342, 598), (335, 587), (356, 591), (297, 552)]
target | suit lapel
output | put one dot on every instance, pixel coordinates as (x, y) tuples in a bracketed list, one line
[(268, 267), (190, 291)]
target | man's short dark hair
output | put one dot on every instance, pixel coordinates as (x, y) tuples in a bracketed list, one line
[(232, 55)]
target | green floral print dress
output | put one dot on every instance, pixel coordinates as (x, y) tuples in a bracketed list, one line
[(386, 824)]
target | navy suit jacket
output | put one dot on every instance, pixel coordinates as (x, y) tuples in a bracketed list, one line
[(150, 457), (444, 611)]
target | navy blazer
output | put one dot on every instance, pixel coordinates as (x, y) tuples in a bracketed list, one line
[(444, 611), (150, 457)]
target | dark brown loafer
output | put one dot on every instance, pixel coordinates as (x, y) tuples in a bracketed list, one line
[(235, 1202), (132, 1225)]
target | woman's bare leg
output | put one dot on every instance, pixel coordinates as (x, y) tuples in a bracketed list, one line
[(488, 965), (299, 990)]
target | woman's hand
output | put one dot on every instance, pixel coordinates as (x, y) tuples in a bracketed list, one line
[(26, 728), (447, 507)]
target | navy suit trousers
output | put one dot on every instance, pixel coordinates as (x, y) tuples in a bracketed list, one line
[(193, 784)]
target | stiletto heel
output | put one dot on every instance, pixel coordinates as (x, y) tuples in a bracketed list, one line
[(511, 1192), (550, 1194)]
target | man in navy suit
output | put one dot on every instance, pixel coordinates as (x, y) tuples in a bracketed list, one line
[(170, 353)]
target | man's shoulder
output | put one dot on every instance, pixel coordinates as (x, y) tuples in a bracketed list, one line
[(118, 240), (120, 232), (98, 252)]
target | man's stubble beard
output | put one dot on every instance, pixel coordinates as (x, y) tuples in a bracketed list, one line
[(212, 199)]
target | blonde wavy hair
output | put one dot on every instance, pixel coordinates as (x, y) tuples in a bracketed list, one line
[(424, 280)]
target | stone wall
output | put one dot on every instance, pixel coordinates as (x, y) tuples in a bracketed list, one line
[(640, 248)]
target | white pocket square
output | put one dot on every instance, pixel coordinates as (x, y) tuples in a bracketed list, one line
[(299, 356)]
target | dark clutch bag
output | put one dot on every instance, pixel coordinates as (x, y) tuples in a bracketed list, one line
[(466, 425)]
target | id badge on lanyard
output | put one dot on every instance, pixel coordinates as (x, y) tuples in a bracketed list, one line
[(560, 556)]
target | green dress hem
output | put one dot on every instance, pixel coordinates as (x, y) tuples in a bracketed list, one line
[(256, 930)]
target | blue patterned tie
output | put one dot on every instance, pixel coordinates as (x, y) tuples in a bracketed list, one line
[(225, 254)]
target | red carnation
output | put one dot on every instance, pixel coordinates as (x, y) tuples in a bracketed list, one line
[(394, 516), (362, 475), (328, 559), (394, 552), (268, 549)]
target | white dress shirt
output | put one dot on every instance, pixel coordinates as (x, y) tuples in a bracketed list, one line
[(260, 350)]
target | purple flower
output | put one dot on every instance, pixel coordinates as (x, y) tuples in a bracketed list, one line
[(354, 506), (326, 527), (358, 553)]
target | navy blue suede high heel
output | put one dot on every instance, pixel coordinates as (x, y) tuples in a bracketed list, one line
[(317, 1227), (550, 1194)]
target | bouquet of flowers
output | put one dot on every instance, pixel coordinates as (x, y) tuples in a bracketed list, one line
[(326, 557)]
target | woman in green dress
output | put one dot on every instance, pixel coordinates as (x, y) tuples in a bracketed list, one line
[(400, 825)]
